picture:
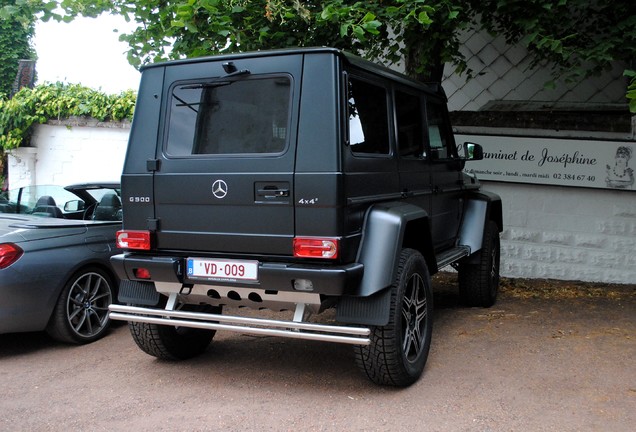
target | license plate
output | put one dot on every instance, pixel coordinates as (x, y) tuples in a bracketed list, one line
[(222, 270)]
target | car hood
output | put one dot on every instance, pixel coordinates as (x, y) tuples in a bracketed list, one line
[(16, 228)]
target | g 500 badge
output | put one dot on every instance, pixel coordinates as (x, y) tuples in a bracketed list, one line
[(139, 199)]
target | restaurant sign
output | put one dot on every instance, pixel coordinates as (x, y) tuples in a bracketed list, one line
[(554, 161)]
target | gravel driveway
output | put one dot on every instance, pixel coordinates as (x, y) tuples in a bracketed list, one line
[(547, 357)]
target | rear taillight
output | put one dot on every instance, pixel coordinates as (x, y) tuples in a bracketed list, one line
[(316, 247), (9, 253), (133, 240)]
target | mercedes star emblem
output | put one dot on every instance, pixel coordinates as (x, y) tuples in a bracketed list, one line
[(219, 189)]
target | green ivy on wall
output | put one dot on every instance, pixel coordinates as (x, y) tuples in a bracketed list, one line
[(631, 90), (15, 35), (58, 102)]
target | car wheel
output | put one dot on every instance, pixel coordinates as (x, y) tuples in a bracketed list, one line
[(479, 282), (81, 313), (173, 343), (398, 351)]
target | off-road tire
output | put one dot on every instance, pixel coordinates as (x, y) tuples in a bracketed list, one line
[(81, 312), (479, 282), (171, 343), (398, 351)]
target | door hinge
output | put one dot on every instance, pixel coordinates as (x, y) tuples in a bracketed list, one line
[(152, 224), (153, 164)]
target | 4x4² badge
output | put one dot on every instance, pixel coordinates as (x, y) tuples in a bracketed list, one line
[(219, 189)]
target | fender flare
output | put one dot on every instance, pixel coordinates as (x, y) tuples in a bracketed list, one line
[(389, 227), (479, 208)]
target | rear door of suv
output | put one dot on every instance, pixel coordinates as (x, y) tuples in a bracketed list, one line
[(445, 176), (223, 178)]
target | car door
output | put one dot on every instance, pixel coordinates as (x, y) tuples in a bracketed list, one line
[(370, 165), (445, 169), (414, 162), (224, 177)]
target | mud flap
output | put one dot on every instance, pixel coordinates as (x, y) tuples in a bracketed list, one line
[(138, 293), (373, 310)]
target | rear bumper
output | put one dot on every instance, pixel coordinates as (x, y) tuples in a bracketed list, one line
[(244, 325), (278, 276)]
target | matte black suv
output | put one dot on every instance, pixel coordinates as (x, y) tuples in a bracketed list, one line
[(298, 180)]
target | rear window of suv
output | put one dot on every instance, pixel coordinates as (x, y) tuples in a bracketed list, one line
[(229, 117)]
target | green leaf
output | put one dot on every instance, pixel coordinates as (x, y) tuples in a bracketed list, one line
[(372, 27), (326, 13), (556, 46), (368, 17), (358, 31), (424, 19), (344, 29)]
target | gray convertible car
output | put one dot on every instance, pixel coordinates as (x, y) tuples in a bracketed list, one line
[(55, 273)]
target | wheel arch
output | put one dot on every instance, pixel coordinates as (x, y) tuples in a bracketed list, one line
[(479, 207), (59, 283), (388, 228), (59, 324), (92, 263), (417, 235)]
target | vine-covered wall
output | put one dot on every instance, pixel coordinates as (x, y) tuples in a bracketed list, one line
[(15, 34), (58, 101)]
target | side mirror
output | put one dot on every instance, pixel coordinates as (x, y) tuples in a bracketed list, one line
[(73, 206), (473, 151)]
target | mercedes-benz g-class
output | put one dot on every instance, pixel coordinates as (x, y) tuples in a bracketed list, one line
[(301, 180)]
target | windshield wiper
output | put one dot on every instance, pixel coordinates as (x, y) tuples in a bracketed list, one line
[(220, 82), (207, 85)]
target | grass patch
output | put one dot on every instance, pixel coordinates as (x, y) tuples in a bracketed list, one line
[(548, 289), (551, 289)]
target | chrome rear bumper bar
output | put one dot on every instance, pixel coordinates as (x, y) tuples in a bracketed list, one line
[(245, 325)]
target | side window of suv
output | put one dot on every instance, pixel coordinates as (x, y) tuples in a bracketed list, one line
[(249, 116), (368, 118), (438, 132), (408, 111)]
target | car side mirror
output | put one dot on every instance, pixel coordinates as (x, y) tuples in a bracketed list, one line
[(73, 206), (473, 151)]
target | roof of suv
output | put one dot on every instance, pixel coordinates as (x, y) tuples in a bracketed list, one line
[(344, 55)]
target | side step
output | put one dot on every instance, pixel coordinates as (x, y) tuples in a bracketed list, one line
[(450, 256), (245, 325)]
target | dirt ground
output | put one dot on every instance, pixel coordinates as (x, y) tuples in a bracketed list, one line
[(549, 356)]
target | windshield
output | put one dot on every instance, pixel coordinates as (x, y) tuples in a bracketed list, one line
[(57, 202)]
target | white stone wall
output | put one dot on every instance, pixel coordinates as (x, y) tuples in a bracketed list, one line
[(567, 233), (65, 154), (554, 232)]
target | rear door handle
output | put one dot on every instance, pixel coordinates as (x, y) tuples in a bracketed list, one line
[(272, 193)]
